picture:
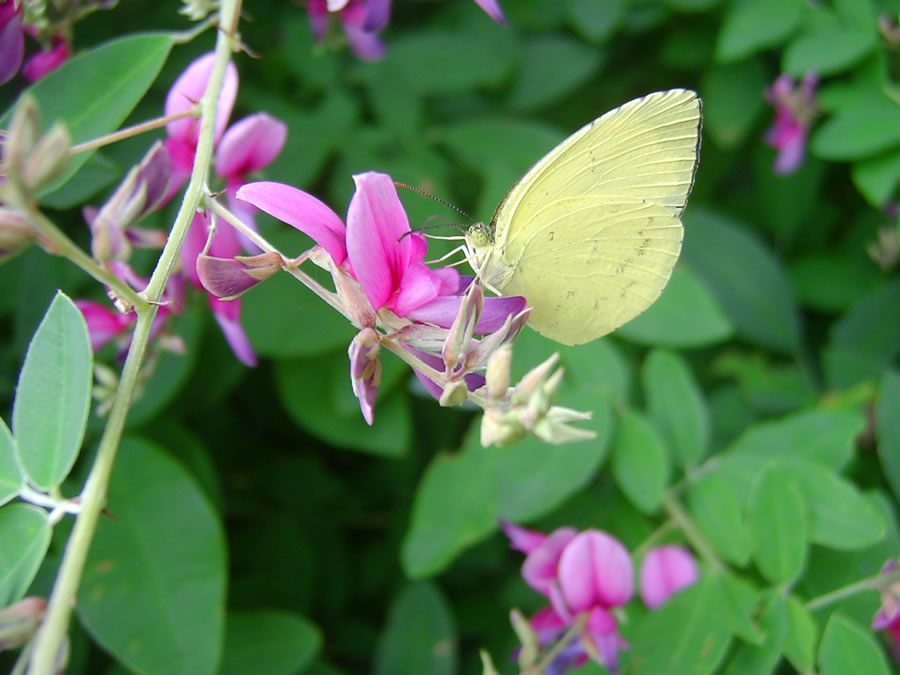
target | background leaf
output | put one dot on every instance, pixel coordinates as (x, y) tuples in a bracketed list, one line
[(24, 538)]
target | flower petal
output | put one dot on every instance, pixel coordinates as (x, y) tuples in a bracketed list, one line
[(189, 89), (376, 246), (595, 570), (664, 571), (492, 7), (364, 43), (300, 210), (227, 314), (521, 538), (378, 13), (540, 567), (104, 324), (12, 41), (250, 145)]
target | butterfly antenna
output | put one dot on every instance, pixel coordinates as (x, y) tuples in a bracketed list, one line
[(437, 199)]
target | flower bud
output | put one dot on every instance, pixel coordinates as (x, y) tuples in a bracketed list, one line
[(454, 393), (365, 370), (497, 373), (49, 159), (22, 135), (16, 233), (497, 428), (527, 638), (463, 328), (594, 571), (664, 571), (18, 622), (228, 278)]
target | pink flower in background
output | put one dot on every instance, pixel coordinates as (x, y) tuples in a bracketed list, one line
[(362, 20), (589, 572), (795, 109), (225, 244), (888, 616), (48, 60), (664, 571), (12, 40), (183, 133)]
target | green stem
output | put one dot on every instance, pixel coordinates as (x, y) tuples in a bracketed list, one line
[(52, 632), (652, 540), (61, 245), (691, 533), (870, 584)]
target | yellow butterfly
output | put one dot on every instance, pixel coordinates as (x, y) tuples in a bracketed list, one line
[(590, 234)]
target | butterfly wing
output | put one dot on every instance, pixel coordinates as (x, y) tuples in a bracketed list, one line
[(590, 264), (600, 214)]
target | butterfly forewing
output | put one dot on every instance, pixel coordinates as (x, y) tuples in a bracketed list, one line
[(645, 149)]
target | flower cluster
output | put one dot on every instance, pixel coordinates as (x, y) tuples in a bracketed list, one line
[(245, 147), (795, 109), (429, 317), (363, 20), (586, 576)]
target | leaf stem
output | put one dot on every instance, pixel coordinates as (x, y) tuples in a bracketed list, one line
[(93, 499), (134, 130), (691, 533), (870, 584)]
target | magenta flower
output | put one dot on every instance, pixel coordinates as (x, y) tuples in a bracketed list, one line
[(795, 109), (360, 19), (664, 571), (377, 265), (12, 39), (589, 572), (888, 616), (492, 7), (48, 60), (183, 133), (104, 324), (225, 245)]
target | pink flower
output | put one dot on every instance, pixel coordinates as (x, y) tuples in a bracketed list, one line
[(12, 40), (888, 616), (492, 7), (47, 61), (664, 571), (795, 109), (183, 133), (377, 263), (549, 627), (589, 572), (225, 245), (360, 19)]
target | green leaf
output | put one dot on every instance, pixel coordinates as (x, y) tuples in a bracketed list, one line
[(270, 641), (877, 177), (839, 516), (829, 50), (553, 66), (54, 395), (888, 430), (800, 647), (420, 636), (742, 599), (868, 344), (748, 280), (718, 514), (766, 387), (762, 658), (456, 62), (777, 517), (640, 461), (10, 473), (832, 282), (278, 333), (732, 101), (153, 592), (677, 406), (849, 648), (866, 127), (663, 323), (94, 91), (24, 538), (689, 635), (754, 25), (517, 483), (595, 22), (827, 437), (317, 394)]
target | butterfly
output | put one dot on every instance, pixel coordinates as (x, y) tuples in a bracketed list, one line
[(590, 234)]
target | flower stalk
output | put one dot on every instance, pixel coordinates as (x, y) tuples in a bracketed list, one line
[(53, 631)]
